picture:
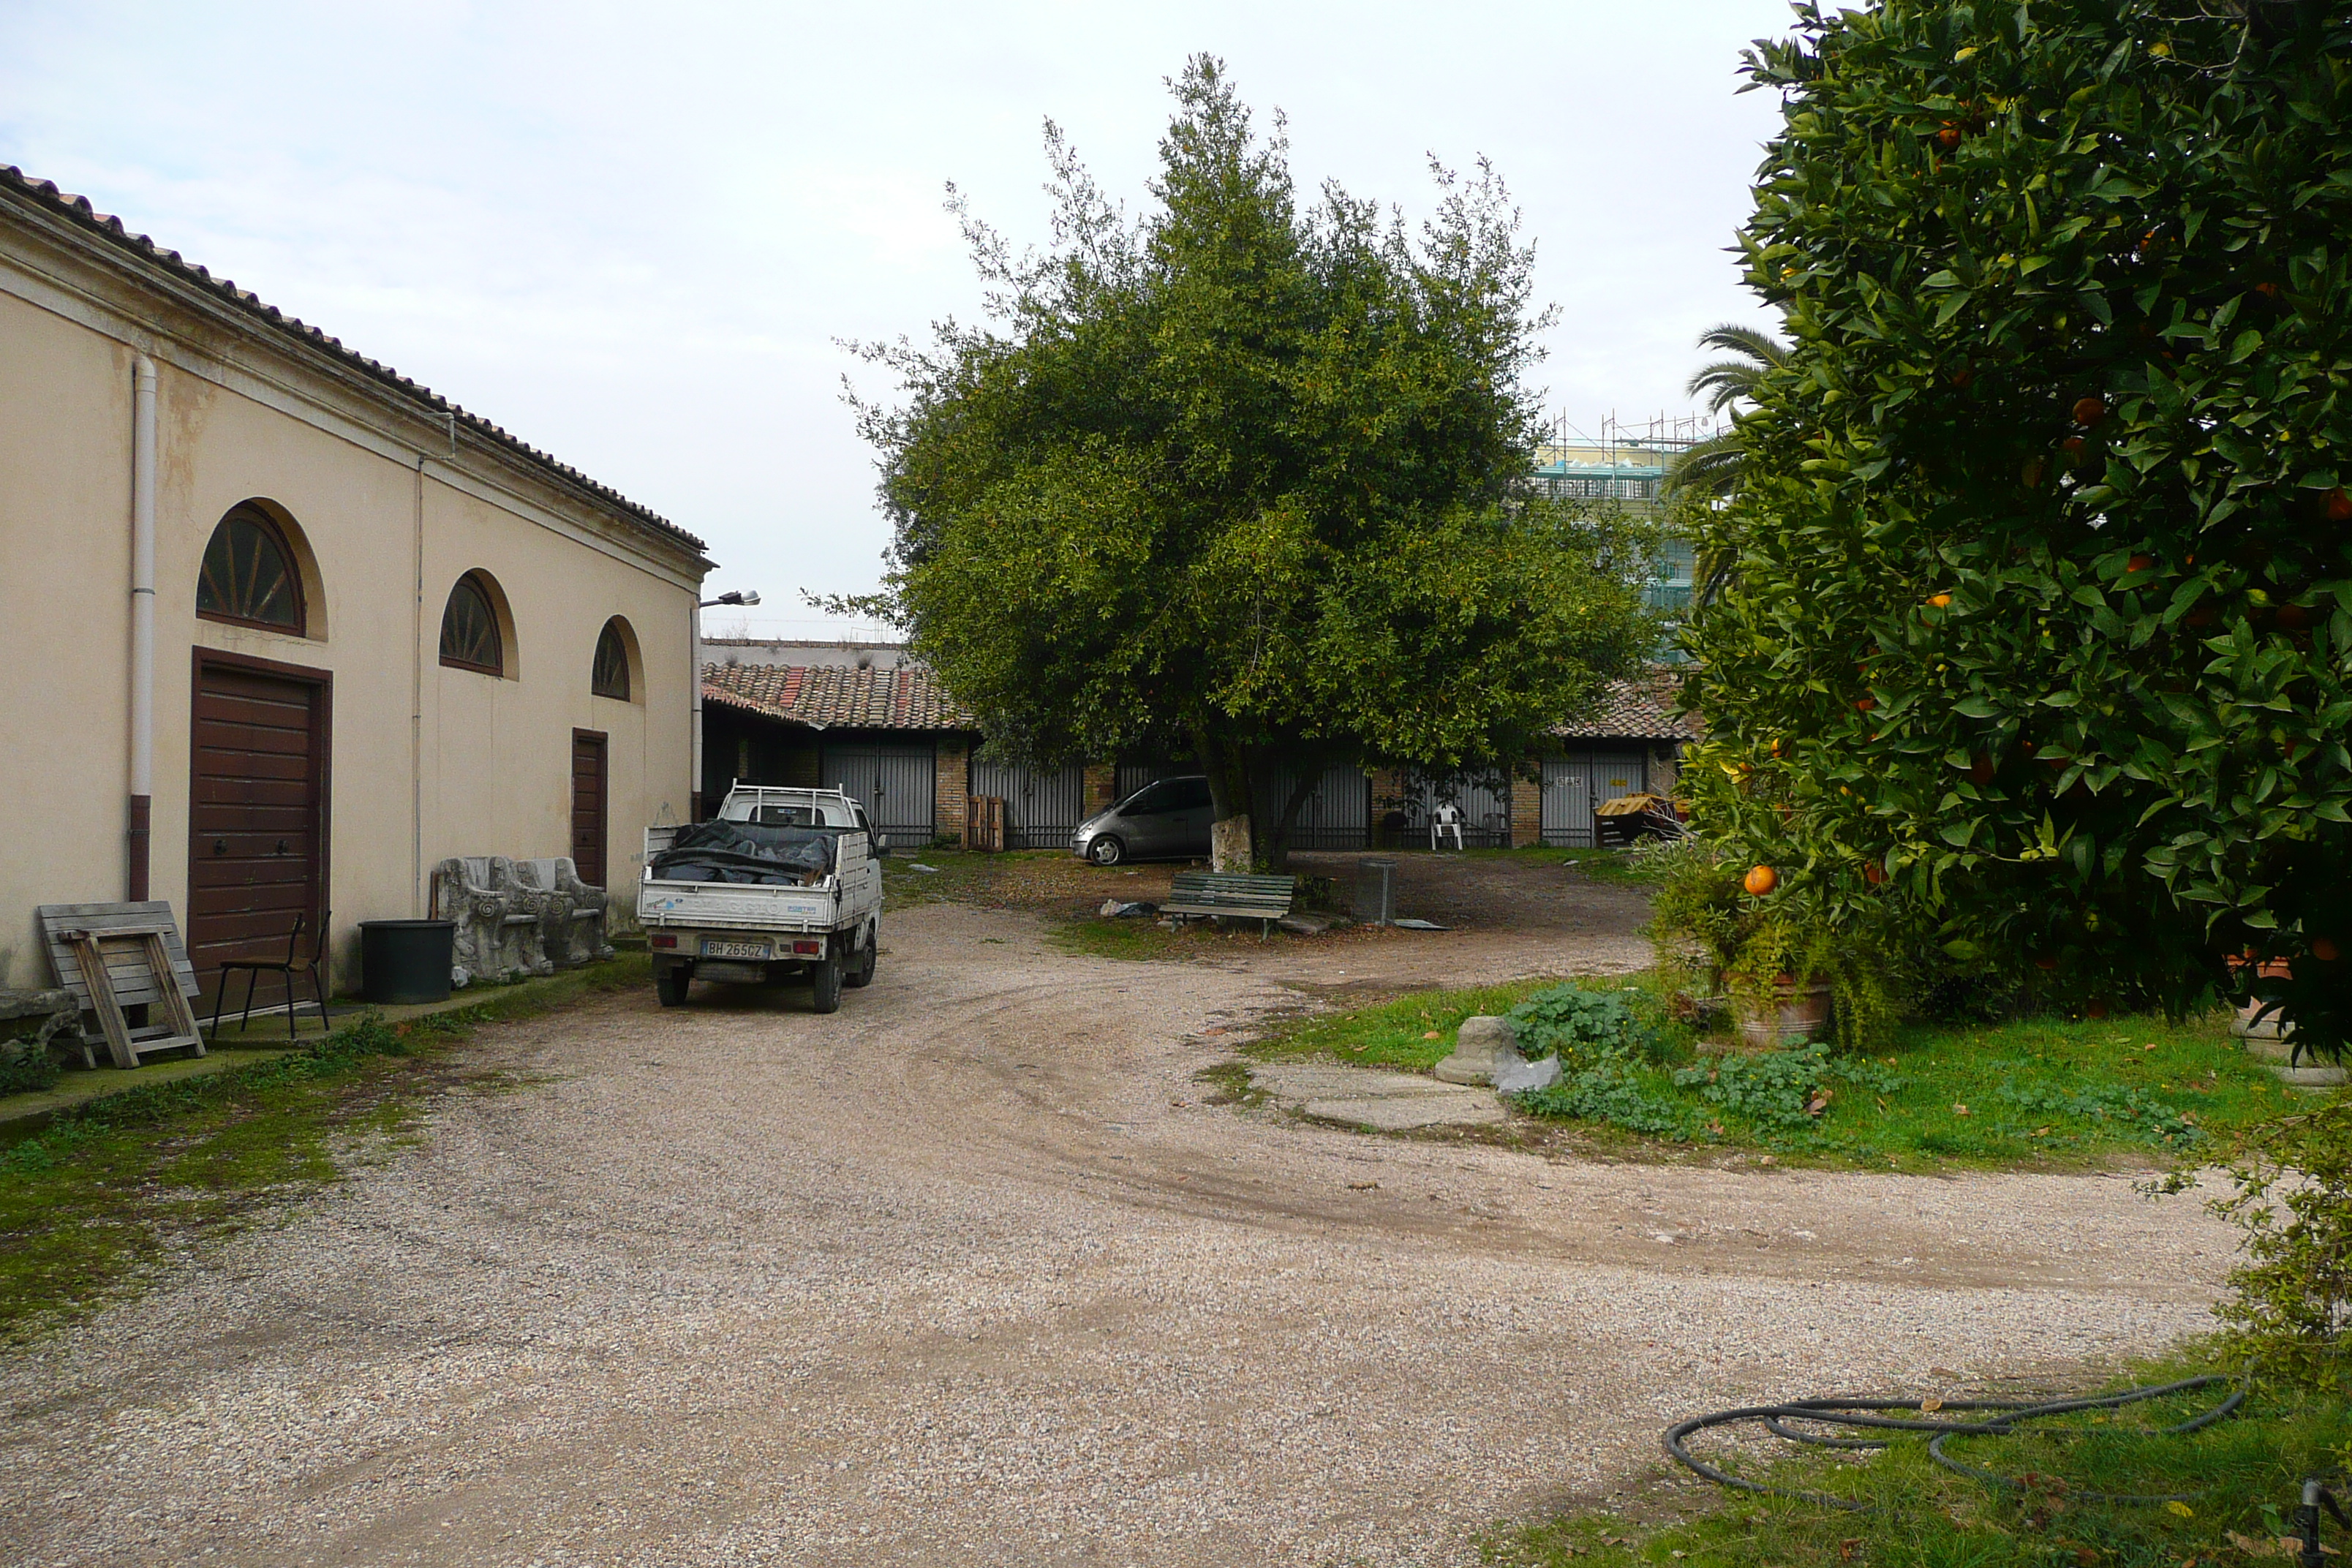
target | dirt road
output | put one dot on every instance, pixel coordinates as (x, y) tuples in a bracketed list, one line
[(968, 1274)]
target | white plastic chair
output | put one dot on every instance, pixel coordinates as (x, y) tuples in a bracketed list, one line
[(1444, 818)]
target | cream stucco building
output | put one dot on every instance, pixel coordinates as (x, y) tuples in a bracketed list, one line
[(282, 629)]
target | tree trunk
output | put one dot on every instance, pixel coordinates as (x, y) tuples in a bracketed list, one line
[(1278, 836), (1228, 765)]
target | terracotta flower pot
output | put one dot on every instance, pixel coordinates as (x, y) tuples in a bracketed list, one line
[(1790, 1014)]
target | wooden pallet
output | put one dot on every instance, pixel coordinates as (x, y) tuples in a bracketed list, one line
[(112, 957)]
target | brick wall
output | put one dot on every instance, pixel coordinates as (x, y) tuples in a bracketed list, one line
[(1527, 812), (1101, 787), (952, 788)]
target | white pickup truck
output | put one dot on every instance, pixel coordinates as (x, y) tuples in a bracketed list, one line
[(781, 884)]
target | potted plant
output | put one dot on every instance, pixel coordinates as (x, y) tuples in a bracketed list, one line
[(1743, 940)]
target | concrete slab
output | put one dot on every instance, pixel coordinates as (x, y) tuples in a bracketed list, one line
[(1405, 1112), (1364, 1096)]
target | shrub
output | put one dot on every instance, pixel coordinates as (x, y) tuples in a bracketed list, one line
[(2291, 1307), (26, 1066), (2034, 613)]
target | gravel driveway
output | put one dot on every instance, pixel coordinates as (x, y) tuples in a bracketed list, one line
[(966, 1273)]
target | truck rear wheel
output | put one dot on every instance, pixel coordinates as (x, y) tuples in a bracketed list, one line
[(824, 981), (861, 973), (670, 985)]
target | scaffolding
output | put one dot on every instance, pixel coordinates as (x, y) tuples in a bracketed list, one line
[(1627, 463)]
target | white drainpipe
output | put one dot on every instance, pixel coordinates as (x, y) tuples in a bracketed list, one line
[(142, 625), (694, 684)]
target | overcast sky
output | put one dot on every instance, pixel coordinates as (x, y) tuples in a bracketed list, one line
[(633, 236)]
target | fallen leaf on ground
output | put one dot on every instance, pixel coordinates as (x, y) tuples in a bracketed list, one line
[(1362, 1186), (1929, 1406), (1959, 1110)]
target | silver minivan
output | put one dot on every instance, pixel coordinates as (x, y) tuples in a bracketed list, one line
[(1164, 821)]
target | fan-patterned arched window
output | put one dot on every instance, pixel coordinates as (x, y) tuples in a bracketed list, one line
[(248, 577), (611, 676), (469, 629)]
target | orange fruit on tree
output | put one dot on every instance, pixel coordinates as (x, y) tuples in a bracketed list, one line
[(1938, 601), (1874, 873), (1761, 881), (2322, 950), (2339, 506), (2089, 411), (1865, 704), (2140, 563)]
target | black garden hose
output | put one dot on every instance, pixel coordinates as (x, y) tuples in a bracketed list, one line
[(1860, 1413)]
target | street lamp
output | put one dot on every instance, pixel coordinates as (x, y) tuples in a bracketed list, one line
[(747, 597)]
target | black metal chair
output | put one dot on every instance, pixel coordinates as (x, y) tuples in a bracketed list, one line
[(292, 965)]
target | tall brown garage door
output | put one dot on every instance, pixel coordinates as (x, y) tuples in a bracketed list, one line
[(256, 810), (588, 794)]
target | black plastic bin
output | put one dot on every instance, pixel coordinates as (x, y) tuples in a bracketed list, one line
[(406, 961)]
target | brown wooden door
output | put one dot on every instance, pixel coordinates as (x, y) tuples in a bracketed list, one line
[(256, 810), (588, 805)]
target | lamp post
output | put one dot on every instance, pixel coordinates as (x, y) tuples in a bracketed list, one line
[(746, 597)]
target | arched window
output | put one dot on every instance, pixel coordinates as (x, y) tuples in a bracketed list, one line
[(469, 629), (610, 678), (248, 577)]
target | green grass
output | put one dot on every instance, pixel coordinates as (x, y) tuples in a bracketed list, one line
[(2247, 1471), (104, 1195), (2044, 1093)]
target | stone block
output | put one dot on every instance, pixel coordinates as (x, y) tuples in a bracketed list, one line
[(1481, 1048), (1527, 1077)]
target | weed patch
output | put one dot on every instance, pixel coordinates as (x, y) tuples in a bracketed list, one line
[(2042, 1093), (2243, 1474), (108, 1191)]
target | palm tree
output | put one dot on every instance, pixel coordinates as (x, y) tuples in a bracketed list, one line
[(1711, 467)]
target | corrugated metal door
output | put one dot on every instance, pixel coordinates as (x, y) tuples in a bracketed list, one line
[(1575, 786), (1338, 815), (1042, 806), (1484, 800), (256, 813), (896, 782)]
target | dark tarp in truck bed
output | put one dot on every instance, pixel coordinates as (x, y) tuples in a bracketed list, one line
[(747, 852)]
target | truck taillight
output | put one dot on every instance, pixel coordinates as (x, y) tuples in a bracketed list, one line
[(660, 940), (808, 947)]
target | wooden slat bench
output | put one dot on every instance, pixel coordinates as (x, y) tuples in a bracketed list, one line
[(137, 948), (1202, 894)]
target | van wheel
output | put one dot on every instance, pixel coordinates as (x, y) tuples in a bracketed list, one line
[(861, 973), (824, 980), (1107, 850), (669, 986)]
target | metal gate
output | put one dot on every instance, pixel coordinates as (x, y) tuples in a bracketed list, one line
[(1338, 815), (1484, 800), (895, 781), (1575, 785), (1042, 806)]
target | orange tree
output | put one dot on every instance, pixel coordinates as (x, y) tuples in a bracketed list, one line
[(2028, 634)]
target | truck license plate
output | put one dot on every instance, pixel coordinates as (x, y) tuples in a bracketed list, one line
[(711, 949)]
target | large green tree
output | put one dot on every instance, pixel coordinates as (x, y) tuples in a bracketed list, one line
[(2037, 617), (1242, 477)]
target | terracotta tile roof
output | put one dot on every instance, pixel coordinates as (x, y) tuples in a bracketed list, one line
[(1642, 707), (42, 195), (831, 696)]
